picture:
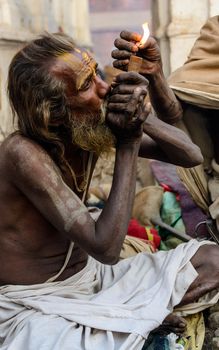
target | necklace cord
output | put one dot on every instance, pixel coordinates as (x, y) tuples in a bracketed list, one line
[(71, 245)]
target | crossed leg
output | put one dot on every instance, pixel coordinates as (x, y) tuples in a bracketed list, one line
[(206, 263)]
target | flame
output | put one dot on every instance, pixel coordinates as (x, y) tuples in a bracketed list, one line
[(146, 33)]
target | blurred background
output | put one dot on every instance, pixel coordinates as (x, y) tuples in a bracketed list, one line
[(95, 24)]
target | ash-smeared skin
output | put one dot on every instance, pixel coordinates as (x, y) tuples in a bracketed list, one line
[(51, 171), (44, 214), (54, 214), (69, 207)]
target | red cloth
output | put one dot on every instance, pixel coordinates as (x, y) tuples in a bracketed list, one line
[(135, 229), (167, 188)]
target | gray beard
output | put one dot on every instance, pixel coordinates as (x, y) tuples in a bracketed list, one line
[(90, 133)]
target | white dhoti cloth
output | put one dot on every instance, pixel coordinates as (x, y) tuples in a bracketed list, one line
[(101, 307)]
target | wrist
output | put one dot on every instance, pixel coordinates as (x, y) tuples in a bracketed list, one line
[(163, 99), (152, 71), (156, 77), (130, 144)]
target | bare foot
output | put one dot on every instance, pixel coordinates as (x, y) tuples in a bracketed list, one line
[(172, 324)]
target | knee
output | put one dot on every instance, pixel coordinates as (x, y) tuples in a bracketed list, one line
[(210, 250), (212, 254), (207, 255)]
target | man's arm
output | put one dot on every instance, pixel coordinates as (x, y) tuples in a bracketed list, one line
[(34, 173), (167, 143), (163, 100), (163, 142)]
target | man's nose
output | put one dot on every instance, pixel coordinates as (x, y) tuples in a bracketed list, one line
[(102, 87)]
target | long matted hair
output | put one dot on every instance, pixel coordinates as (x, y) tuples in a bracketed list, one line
[(37, 96)]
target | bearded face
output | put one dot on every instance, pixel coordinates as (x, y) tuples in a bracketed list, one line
[(90, 132), (86, 93)]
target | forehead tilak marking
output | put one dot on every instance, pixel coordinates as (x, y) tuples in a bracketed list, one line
[(81, 63), (89, 67)]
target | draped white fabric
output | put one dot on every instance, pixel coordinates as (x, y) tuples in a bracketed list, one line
[(101, 307)]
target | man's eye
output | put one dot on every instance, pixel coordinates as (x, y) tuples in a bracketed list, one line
[(100, 73), (86, 85)]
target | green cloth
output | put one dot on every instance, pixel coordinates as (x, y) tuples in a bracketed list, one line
[(171, 215)]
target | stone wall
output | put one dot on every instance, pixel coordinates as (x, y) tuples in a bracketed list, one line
[(21, 20), (177, 25), (109, 17)]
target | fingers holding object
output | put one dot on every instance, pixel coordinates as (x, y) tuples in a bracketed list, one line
[(130, 36), (121, 59), (129, 78), (143, 111), (133, 108), (121, 54), (125, 47), (127, 103), (119, 98), (123, 44), (126, 90)]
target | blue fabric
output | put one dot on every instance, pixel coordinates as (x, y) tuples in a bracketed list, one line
[(156, 342)]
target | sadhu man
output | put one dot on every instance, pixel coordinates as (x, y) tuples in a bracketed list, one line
[(62, 284)]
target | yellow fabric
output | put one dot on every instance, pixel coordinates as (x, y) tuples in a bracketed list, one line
[(196, 81), (195, 179), (149, 234), (196, 184), (196, 123), (134, 245), (195, 332)]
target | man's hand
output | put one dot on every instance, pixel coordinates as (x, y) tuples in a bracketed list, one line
[(128, 44), (162, 98), (126, 110)]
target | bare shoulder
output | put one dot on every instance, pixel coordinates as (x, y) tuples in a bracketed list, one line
[(16, 147), (21, 156)]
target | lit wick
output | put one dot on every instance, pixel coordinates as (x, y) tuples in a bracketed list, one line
[(145, 35), (135, 62)]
